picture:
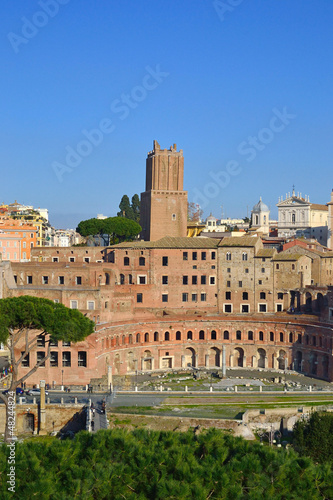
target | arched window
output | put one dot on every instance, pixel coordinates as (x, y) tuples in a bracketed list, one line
[(137, 338), (238, 335), (123, 340), (166, 336), (146, 337), (130, 339), (281, 336), (189, 335), (293, 217), (178, 335), (155, 336), (228, 256), (226, 335), (201, 335), (122, 279), (130, 279), (213, 335), (250, 335), (261, 336), (107, 278), (290, 337)]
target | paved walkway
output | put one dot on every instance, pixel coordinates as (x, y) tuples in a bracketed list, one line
[(98, 418)]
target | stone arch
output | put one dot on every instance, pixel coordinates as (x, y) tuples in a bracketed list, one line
[(215, 355), (261, 358), (29, 422), (298, 362), (239, 357), (313, 363), (190, 357), (282, 360), (325, 365), (308, 302), (147, 361)]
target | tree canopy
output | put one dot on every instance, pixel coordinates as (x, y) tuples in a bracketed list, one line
[(23, 320), (162, 466), (314, 437), (118, 228), (130, 210)]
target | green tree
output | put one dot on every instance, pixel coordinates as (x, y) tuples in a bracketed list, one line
[(136, 204), (125, 208), (117, 228), (25, 319), (314, 437)]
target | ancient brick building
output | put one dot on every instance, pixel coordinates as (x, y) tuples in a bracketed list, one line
[(164, 202)]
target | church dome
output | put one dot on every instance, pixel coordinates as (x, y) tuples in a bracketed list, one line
[(260, 207)]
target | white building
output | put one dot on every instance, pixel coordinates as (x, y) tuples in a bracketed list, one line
[(299, 217)]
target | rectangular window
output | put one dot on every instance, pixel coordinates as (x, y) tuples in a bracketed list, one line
[(245, 308), (194, 280), (271, 336), (164, 280), (185, 280), (278, 307), (53, 359), (139, 297), (164, 297), (26, 360), (91, 305), (194, 297), (185, 297), (82, 358), (212, 280), (228, 284), (280, 296), (262, 308), (53, 343), (227, 295), (66, 358), (262, 269), (194, 255), (78, 280), (61, 280), (55, 259), (41, 341), (29, 280), (228, 269), (260, 282), (203, 279), (87, 260), (164, 261), (73, 304), (72, 259), (240, 284), (203, 255), (246, 271), (141, 280), (203, 297), (66, 344), (40, 357), (45, 280), (213, 255), (227, 308), (185, 255)]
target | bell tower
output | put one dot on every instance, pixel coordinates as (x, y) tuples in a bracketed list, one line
[(164, 202)]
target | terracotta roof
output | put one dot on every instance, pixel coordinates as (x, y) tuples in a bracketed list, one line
[(239, 241), (317, 206), (266, 252), (171, 242), (287, 256)]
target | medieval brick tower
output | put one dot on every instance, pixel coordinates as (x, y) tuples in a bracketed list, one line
[(164, 203)]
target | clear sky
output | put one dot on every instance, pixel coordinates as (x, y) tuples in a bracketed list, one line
[(244, 87)]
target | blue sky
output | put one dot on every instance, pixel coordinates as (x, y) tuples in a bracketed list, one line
[(212, 77)]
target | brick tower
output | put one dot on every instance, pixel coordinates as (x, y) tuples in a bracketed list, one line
[(164, 202)]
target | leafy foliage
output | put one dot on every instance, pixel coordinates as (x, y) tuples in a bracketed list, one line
[(118, 228), (314, 437), (32, 313), (130, 210), (161, 466)]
